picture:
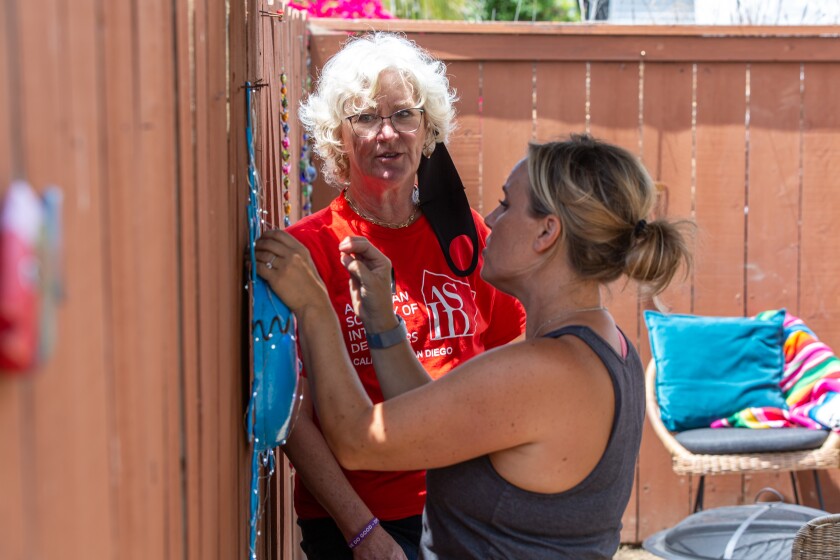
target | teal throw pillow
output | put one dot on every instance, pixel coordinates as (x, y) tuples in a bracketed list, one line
[(711, 367)]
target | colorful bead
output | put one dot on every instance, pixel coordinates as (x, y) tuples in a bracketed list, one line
[(286, 142)]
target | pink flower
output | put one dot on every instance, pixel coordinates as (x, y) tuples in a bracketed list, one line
[(347, 9)]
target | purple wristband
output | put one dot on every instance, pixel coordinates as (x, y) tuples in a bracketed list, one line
[(365, 532)]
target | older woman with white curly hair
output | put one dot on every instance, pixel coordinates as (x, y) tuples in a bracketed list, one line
[(379, 117)]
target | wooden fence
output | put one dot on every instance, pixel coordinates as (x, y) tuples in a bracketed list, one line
[(740, 126), (129, 441)]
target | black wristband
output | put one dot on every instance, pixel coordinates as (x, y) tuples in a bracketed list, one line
[(378, 341)]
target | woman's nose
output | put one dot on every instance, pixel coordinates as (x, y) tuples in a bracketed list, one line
[(390, 131), (490, 218)]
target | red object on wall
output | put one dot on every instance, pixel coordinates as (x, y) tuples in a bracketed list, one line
[(21, 220)]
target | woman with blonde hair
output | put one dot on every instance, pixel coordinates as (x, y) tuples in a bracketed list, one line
[(379, 117)]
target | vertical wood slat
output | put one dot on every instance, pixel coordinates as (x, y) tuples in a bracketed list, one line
[(466, 141), (49, 402), (720, 202), (10, 159), (83, 185), (667, 154), (506, 126), (820, 259), (190, 26), (121, 128), (561, 99), (160, 64), (773, 202), (15, 528), (234, 469), (201, 395), (145, 338)]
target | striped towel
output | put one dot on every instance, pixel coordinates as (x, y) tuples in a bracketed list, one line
[(810, 384)]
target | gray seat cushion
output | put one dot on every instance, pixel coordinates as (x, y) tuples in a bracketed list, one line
[(727, 441)]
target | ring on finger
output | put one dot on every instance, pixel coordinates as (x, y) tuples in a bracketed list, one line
[(270, 263)]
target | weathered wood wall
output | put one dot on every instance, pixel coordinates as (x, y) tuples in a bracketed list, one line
[(740, 125), (129, 442)]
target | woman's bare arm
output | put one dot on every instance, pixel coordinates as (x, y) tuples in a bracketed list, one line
[(506, 398)]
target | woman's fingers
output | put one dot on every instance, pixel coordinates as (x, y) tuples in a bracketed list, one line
[(286, 265), (267, 258), (280, 243), (362, 249), (370, 280)]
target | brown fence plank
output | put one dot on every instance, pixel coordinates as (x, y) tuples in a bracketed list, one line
[(15, 533), (667, 154), (10, 158), (13, 526), (720, 199), (465, 142), (774, 187), (141, 219), (157, 146), (193, 159), (506, 126), (45, 404), (774, 208), (561, 99), (89, 461), (820, 291), (231, 202), (218, 499), (203, 394), (819, 205), (119, 105)]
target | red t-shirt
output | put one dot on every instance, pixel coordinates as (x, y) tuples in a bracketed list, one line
[(449, 320)]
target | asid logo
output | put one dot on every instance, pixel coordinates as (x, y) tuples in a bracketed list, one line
[(451, 306)]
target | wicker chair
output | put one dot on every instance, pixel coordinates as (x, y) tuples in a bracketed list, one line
[(819, 539), (823, 456)]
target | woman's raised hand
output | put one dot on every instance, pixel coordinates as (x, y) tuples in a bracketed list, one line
[(370, 282), (286, 265)]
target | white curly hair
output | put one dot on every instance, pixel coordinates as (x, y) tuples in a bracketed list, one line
[(349, 81)]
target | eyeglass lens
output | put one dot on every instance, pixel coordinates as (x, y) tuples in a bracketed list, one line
[(404, 120)]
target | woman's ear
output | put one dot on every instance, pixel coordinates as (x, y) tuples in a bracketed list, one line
[(549, 234)]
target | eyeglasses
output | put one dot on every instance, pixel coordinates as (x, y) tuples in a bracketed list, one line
[(368, 125)]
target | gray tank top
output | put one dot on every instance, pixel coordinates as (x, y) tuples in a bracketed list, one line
[(472, 512)]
